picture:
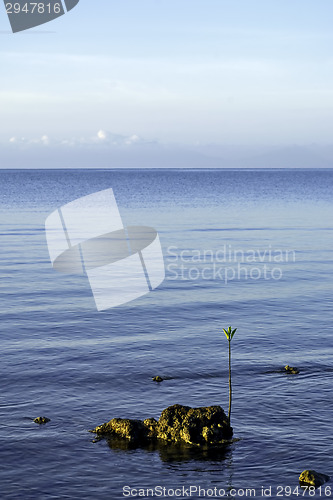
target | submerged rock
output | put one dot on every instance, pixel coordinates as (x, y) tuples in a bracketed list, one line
[(291, 369), (158, 379), (41, 420), (178, 424), (313, 478)]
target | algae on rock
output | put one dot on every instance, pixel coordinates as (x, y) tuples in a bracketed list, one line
[(291, 369), (178, 424), (41, 420), (313, 478), (133, 430), (206, 425)]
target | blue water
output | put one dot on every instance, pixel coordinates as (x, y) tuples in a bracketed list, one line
[(79, 367)]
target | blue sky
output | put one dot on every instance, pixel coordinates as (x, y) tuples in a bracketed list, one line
[(186, 72)]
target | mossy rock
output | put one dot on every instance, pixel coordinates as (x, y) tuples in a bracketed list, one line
[(291, 369), (133, 430), (313, 478), (178, 424), (196, 426), (151, 426), (41, 420)]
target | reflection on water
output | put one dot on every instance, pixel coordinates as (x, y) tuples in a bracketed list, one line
[(174, 452)]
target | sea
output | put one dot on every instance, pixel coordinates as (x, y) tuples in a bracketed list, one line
[(250, 249)]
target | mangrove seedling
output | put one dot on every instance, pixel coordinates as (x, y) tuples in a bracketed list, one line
[(229, 334)]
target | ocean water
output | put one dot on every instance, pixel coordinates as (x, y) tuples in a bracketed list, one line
[(247, 248)]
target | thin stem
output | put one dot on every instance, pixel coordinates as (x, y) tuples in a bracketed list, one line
[(230, 389)]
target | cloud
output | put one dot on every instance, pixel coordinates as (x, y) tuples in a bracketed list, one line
[(102, 138), (44, 140), (101, 134), (17, 140), (111, 139), (134, 139)]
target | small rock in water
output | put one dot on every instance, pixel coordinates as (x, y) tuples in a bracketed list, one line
[(41, 420), (291, 369), (313, 478), (158, 379)]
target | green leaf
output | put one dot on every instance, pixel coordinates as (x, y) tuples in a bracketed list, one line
[(229, 333)]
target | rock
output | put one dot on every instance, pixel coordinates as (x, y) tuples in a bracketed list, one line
[(133, 430), (291, 369), (196, 426), (158, 379), (41, 420), (178, 424), (313, 478), (151, 426)]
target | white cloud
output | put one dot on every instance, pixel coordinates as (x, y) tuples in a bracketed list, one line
[(112, 139), (45, 140), (133, 139), (101, 138), (17, 140), (102, 135)]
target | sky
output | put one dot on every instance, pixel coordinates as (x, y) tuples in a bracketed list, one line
[(142, 79)]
